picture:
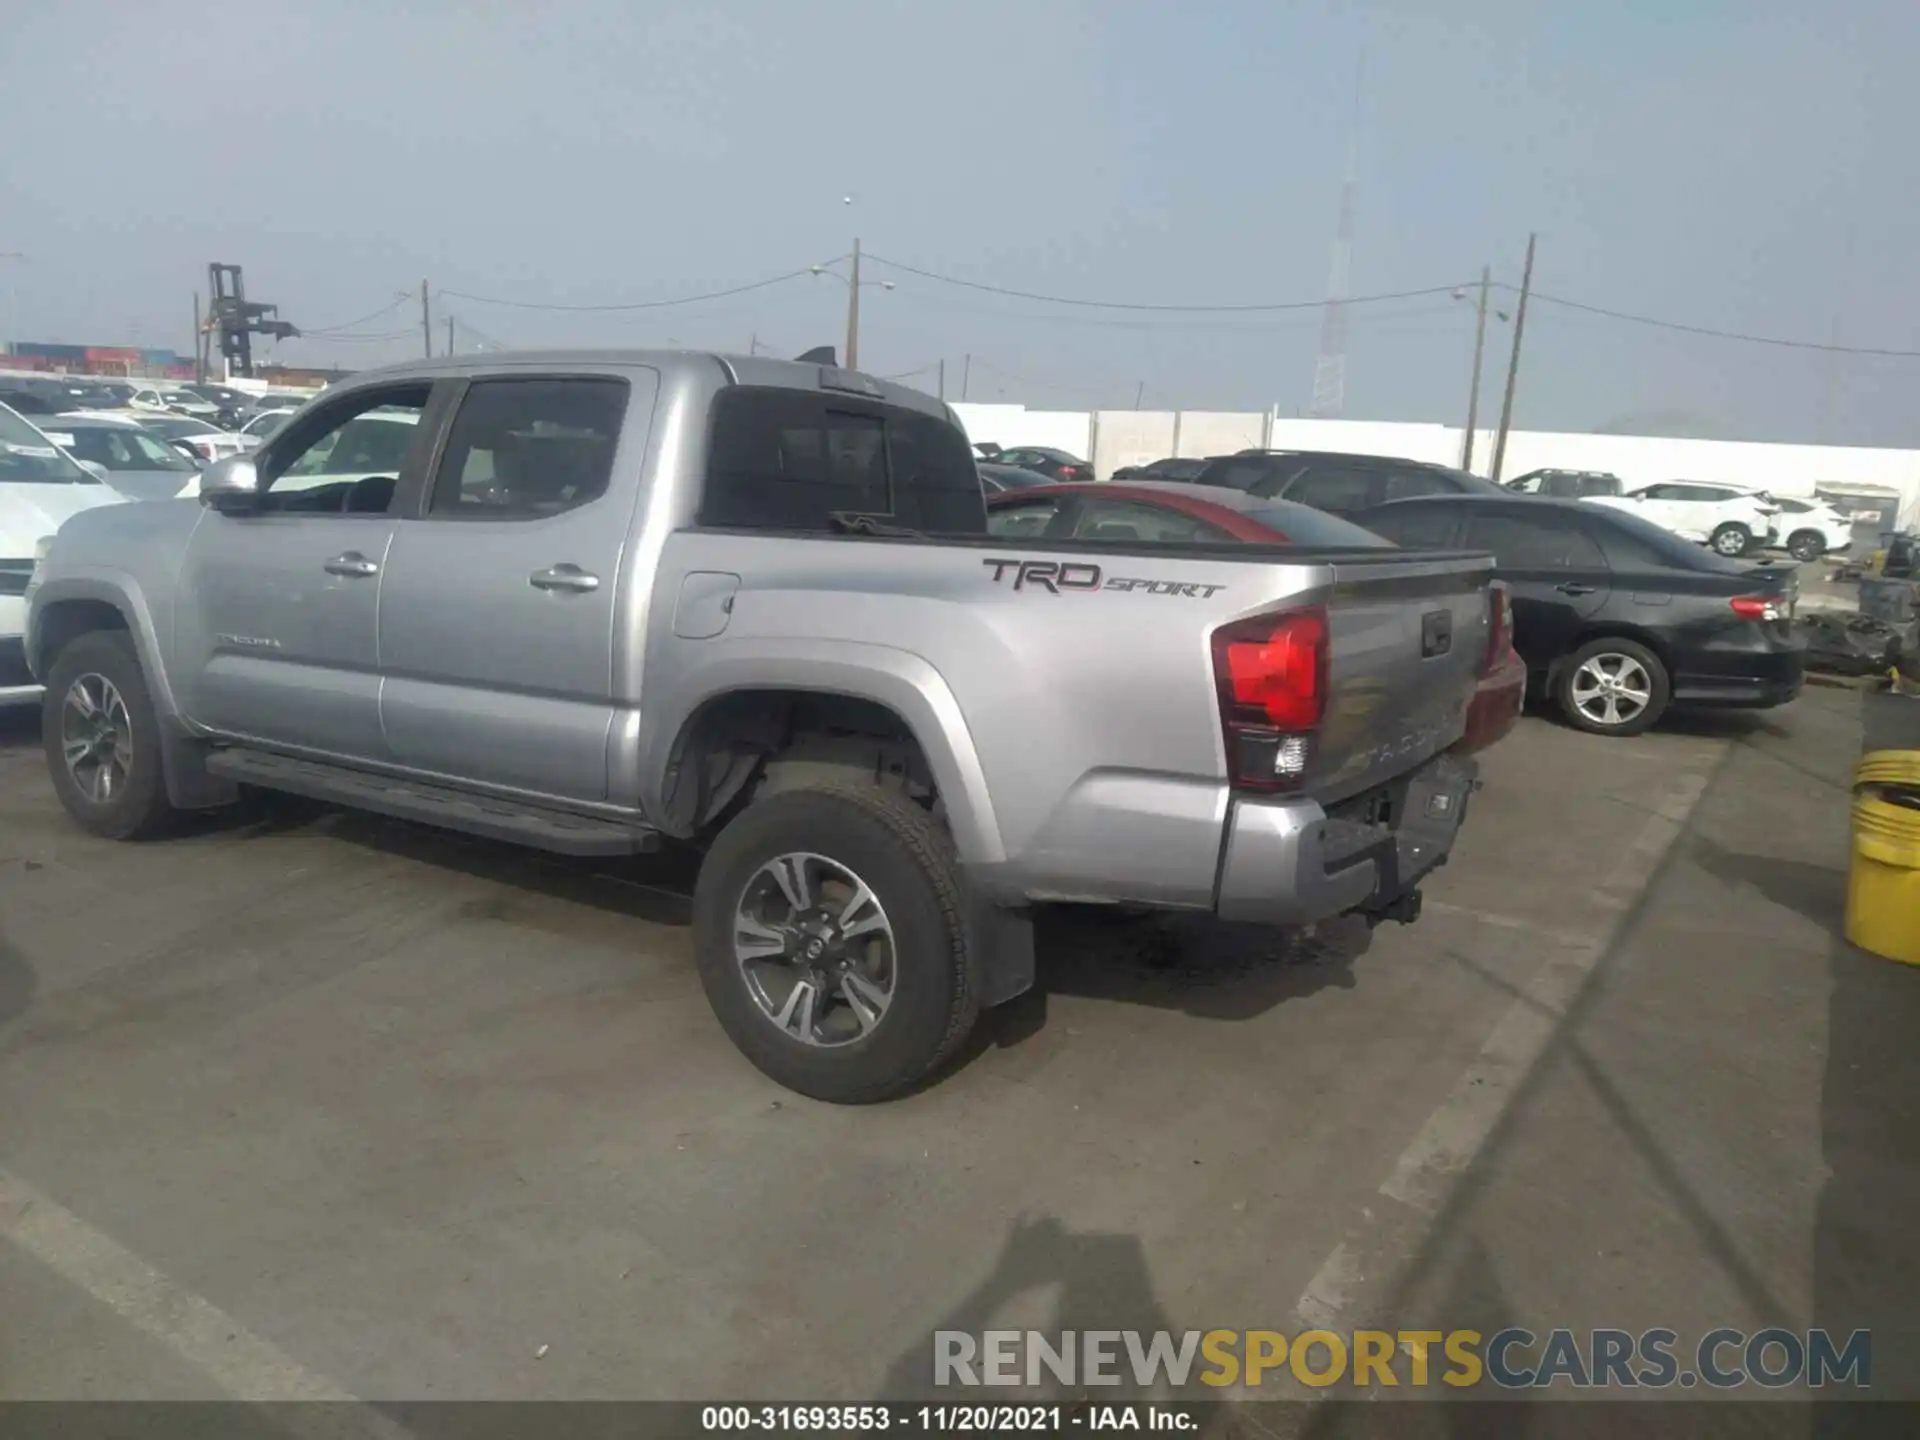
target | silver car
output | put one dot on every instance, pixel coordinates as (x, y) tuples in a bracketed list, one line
[(137, 463)]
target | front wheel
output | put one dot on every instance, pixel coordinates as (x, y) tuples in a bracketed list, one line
[(1806, 545), (1613, 686), (102, 739), (829, 933), (1731, 540)]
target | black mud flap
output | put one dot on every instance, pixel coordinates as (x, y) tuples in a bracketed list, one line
[(1001, 942)]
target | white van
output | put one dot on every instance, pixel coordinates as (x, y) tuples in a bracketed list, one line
[(40, 486)]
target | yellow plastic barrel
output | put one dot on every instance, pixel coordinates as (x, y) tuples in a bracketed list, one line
[(1883, 889)]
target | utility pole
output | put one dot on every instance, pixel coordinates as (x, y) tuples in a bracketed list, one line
[(1139, 393), (1479, 348), (1513, 365), (853, 311), (966, 374), (943, 378), (199, 350), (426, 320), (449, 335)]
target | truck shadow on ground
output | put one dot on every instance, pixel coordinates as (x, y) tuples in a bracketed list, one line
[(1099, 1282), (1190, 963)]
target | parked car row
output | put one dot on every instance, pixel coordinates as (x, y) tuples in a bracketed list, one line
[(1614, 618), (221, 406), (1734, 520)]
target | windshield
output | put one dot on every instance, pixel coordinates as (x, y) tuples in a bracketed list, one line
[(28, 458), (125, 448), (178, 427)]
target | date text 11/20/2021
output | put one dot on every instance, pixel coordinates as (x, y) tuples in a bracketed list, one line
[(913, 1419)]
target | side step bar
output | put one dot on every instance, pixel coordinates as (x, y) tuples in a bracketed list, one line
[(496, 819)]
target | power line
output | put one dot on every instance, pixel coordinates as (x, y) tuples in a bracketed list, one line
[(632, 305), (1132, 305), (357, 339), (1720, 334), (349, 324)]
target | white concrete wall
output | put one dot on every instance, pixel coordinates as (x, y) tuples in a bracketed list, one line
[(1130, 437), (1011, 425), (1218, 432)]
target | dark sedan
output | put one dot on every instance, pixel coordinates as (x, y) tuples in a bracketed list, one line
[(1339, 484), (1168, 469), (1056, 465), (1616, 618)]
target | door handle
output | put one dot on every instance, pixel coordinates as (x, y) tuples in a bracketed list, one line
[(1574, 588), (352, 563), (563, 577)]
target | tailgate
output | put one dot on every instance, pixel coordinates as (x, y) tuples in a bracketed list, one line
[(1407, 637)]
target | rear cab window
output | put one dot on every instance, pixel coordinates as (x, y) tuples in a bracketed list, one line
[(790, 459)]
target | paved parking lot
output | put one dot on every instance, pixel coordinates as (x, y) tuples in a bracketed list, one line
[(313, 1104)]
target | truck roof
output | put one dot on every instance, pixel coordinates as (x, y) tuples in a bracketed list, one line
[(738, 369)]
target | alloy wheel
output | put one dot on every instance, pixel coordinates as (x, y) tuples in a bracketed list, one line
[(815, 949), (96, 738), (1612, 689)]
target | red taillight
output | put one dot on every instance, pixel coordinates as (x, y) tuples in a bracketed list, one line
[(1271, 674), (1758, 607), (1069, 472), (1500, 627)]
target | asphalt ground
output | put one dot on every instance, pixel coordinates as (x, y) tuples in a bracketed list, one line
[(305, 1104)]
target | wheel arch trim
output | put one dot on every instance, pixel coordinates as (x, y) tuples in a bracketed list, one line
[(897, 680)]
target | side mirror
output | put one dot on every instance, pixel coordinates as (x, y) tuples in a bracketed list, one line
[(93, 468), (231, 486)]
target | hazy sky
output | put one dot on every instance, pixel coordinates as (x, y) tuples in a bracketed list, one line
[(1746, 165)]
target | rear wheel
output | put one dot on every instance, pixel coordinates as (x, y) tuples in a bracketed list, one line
[(1732, 540), (102, 739), (1806, 545), (829, 934), (1613, 686)]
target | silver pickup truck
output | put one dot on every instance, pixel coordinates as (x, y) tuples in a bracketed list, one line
[(592, 601)]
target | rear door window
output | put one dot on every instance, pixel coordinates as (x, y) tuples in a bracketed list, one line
[(790, 459), (519, 449), (1535, 542)]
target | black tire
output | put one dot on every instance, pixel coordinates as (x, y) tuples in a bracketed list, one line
[(907, 861), (1568, 685), (1731, 540), (137, 806), (1806, 545)]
